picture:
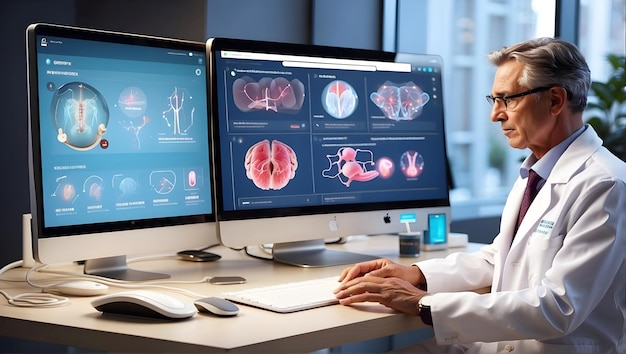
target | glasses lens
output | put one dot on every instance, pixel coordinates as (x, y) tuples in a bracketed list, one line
[(492, 101), (512, 103)]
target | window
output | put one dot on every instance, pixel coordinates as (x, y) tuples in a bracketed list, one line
[(463, 31), (602, 24)]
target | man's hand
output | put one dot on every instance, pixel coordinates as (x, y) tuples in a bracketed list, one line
[(382, 281), (384, 268), (395, 293)]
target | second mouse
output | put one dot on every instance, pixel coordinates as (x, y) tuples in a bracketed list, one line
[(216, 306)]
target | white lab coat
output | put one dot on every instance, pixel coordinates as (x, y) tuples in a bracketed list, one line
[(561, 286)]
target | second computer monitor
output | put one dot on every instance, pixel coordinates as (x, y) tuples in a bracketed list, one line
[(316, 142), (119, 157)]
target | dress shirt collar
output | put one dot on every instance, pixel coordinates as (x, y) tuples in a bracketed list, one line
[(544, 166)]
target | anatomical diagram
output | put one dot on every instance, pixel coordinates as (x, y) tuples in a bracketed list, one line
[(176, 108), (339, 99), (270, 165), (80, 115), (268, 94), (400, 101), (349, 165), (411, 164)]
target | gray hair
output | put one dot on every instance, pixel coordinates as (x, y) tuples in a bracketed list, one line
[(550, 62)]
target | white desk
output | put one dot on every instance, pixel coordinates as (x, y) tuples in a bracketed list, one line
[(253, 330)]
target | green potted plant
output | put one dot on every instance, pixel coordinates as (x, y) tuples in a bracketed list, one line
[(607, 109)]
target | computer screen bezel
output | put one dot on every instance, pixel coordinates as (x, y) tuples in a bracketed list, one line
[(137, 232), (215, 45), (298, 233)]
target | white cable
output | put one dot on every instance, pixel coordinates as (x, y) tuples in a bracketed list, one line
[(31, 299), (45, 299), (35, 299), (118, 282), (157, 284), (10, 266)]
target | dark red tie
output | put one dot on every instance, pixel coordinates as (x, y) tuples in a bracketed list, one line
[(529, 194)]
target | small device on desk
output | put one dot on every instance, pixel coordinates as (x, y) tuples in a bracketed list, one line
[(216, 306), (435, 238), (198, 256), (410, 241), (79, 288)]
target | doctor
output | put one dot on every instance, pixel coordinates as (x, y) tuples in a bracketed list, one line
[(558, 275)]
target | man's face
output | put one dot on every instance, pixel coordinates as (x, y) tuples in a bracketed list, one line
[(527, 122)]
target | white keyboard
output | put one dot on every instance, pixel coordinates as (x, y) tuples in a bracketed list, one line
[(289, 297)]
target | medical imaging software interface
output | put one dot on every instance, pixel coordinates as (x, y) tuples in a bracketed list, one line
[(123, 132), (298, 132)]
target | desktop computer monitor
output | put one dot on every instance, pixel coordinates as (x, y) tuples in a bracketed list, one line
[(313, 143), (118, 147)]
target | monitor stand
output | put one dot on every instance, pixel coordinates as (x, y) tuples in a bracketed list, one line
[(314, 253), (117, 268)]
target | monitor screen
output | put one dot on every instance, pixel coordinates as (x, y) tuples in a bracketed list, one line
[(316, 142), (119, 147)]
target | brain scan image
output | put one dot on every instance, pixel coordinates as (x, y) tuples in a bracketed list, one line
[(346, 166), (80, 115), (400, 102), (339, 99), (270, 166), (276, 95), (412, 164)]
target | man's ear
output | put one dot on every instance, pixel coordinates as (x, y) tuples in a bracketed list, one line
[(558, 100)]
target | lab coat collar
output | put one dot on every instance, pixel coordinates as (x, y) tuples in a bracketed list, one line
[(575, 156), (545, 165), (565, 168)]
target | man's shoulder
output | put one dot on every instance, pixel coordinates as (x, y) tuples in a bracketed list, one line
[(603, 162)]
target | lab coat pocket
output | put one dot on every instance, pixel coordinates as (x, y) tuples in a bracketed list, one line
[(541, 250)]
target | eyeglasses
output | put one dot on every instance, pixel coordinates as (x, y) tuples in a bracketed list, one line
[(507, 100)]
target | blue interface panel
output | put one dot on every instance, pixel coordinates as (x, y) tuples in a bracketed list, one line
[(123, 129), (299, 131)]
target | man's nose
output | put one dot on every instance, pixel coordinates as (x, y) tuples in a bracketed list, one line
[(498, 114)]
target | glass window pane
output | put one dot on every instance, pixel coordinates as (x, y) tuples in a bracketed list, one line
[(601, 32), (463, 32)]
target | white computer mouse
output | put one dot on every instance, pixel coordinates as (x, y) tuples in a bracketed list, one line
[(79, 288), (144, 303), (216, 306)]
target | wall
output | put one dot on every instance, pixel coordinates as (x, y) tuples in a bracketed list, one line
[(268, 20), (323, 22), (182, 19), (14, 18)]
